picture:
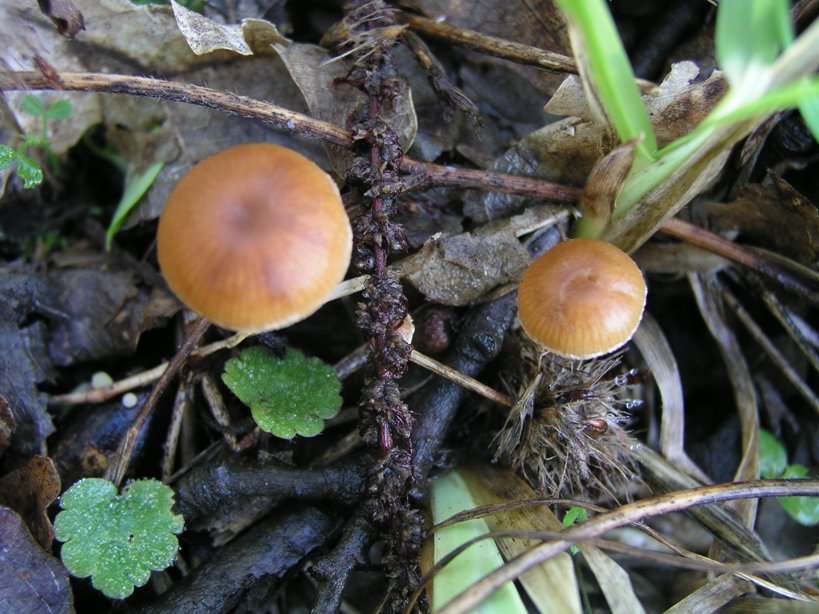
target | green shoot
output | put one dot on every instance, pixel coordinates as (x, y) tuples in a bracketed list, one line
[(768, 71), (28, 169), (604, 62), (572, 516), (136, 186), (773, 464), (117, 539), (287, 397), (451, 495)]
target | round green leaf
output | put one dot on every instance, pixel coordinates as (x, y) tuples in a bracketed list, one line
[(287, 397), (117, 539)]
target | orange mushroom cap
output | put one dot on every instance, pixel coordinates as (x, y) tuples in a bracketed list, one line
[(254, 238), (583, 298)]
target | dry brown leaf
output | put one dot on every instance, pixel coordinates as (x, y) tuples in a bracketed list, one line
[(321, 81), (64, 14), (675, 107), (775, 215), (31, 579), (205, 36), (29, 491), (459, 270)]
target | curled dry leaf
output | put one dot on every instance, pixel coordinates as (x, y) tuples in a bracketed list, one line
[(29, 491), (675, 107), (108, 312), (65, 15), (205, 36)]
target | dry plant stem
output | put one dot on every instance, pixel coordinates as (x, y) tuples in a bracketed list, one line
[(426, 174), (116, 471), (682, 559), (794, 330), (497, 47), (490, 45), (773, 353), (242, 106), (437, 175), (100, 395), (721, 522), (623, 516), (180, 403), (459, 378), (714, 243)]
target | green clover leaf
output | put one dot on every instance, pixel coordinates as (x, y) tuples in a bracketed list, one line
[(29, 171), (61, 109), (804, 510), (773, 459), (287, 397), (7, 156), (117, 539), (33, 105)]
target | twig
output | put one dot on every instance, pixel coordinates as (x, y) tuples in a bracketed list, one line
[(459, 378), (269, 549), (491, 45), (622, 516), (742, 255), (771, 350), (100, 395), (434, 174), (116, 471), (498, 47), (281, 119), (225, 479)]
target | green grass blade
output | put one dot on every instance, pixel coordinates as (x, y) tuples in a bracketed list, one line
[(134, 191), (450, 495), (750, 35), (605, 67)]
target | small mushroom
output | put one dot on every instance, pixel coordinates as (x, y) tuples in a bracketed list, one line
[(581, 299), (254, 238)]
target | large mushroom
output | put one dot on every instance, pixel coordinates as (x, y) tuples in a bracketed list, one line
[(254, 238)]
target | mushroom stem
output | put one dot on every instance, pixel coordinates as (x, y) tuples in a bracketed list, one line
[(348, 287)]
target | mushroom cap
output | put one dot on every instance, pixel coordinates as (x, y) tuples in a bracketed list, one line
[(254, 238), (583, 298)]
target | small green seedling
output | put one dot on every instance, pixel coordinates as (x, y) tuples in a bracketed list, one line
[(117, 539), (773, 464), (27, 168), (572, 516), (287, 397)]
